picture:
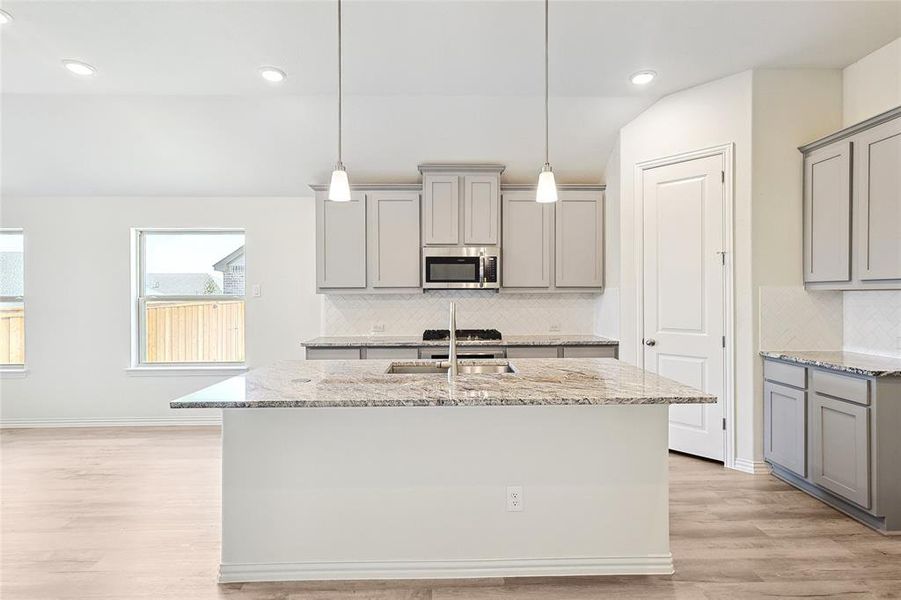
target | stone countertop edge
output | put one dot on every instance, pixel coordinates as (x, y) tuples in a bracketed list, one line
[(375, 341), (853, 363), (361, 384)]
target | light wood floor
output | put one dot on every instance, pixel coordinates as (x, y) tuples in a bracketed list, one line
[(133, 513)]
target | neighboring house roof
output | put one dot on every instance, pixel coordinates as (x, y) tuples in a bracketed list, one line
[(181, 284), (235, 257), (11, 274)]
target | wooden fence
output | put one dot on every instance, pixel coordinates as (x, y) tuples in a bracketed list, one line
[(194, 331), (12, 336)]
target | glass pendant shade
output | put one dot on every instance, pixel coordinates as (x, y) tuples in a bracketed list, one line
[(547, 186), (339, 188)]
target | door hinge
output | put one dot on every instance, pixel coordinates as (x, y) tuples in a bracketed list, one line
[(724, 423), (722, 177), (724, 341)]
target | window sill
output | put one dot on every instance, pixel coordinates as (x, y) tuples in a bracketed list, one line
[(186, 371), (13, 372)]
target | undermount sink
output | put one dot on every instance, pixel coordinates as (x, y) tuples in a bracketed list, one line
[(441, 369)]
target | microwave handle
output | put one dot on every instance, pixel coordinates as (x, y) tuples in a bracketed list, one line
[(482, 270)]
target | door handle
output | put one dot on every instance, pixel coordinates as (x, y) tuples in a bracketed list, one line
[(650, 342)]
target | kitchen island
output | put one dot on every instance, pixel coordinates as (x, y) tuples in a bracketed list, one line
[(342, 470)]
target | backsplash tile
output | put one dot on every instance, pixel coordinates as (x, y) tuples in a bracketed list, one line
[(792, 318), (872, 322), (410, 314)]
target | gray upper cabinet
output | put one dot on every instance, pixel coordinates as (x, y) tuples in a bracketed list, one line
[(340, 242), (852, 207), (579, 243), (393, 254), (441, 209), (840, 448), (527, 231), (785, 427), (827, 213), (878, 183), (481, 210)]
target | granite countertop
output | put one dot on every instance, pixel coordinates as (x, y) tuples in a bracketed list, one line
[(871, 365), (364, 383), (383, 341)]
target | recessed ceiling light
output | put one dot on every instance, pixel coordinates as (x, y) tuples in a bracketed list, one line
[(5, 17), (272, 74), (643, 77), (79, 68)]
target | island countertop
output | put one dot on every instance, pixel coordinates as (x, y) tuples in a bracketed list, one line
[(387, 341), (358, 384)]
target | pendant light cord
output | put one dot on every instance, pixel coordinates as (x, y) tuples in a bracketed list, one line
[(546, 118), (340, 96)]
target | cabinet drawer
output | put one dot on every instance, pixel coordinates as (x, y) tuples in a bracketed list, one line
[(392, 353), (532, 352), (333, 353), (589, 352), (852, 389), (781, 372)]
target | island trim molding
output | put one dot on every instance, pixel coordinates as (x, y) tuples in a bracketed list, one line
[(446, 569)]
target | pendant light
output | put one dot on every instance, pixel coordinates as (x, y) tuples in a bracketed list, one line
[(339, 187), (547, 186)]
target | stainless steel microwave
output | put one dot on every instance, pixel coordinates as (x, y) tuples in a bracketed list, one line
[(468, 268)]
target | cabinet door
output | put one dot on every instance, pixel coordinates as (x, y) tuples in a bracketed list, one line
[(840, 447), (393, 224), (827, 213), (481, 210), (579, 241), (527, 241), (441, 209), (785, 427), (877, 156), (341, 242)]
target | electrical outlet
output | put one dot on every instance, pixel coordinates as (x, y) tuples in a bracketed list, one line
[(514, 498), (378, 328), (256, 291), (554, 327)]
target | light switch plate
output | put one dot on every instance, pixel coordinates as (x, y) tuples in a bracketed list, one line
[(256, 291)]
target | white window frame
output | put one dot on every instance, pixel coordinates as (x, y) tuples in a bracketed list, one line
[(17, 367), (139, 302)]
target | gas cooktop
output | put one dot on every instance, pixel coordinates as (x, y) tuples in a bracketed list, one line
[(430, 335)]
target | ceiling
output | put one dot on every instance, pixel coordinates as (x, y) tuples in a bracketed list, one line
[(453, 79)]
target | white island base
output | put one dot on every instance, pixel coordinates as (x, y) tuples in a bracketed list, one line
[(420, 492)]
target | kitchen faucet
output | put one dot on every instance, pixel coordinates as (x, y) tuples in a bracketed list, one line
[(452, 349)]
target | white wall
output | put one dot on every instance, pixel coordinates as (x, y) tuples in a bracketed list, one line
[(607, 314), (872, 85), (77, 281), (872, 320), (766, 115)]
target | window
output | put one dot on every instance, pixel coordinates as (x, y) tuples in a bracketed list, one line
[(12, 298), (190, 297)]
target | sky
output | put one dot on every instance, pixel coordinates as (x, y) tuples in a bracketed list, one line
[(188, 253)]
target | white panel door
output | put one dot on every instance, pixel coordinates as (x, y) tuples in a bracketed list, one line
[(684, 293)]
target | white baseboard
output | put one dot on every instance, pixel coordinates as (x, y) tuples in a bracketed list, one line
[(754, 467), (446, 569), (214, 418)]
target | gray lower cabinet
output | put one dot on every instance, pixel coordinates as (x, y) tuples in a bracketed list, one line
[(415, 352), (840, 448), (527, 231), (534, 352), (333, 353), (340, 242), (393, 226), (785, 427), (590, 351), (579, 240)]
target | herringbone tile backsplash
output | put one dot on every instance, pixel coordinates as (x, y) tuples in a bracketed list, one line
[(410, 314), (791, 318), (872, 322)]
